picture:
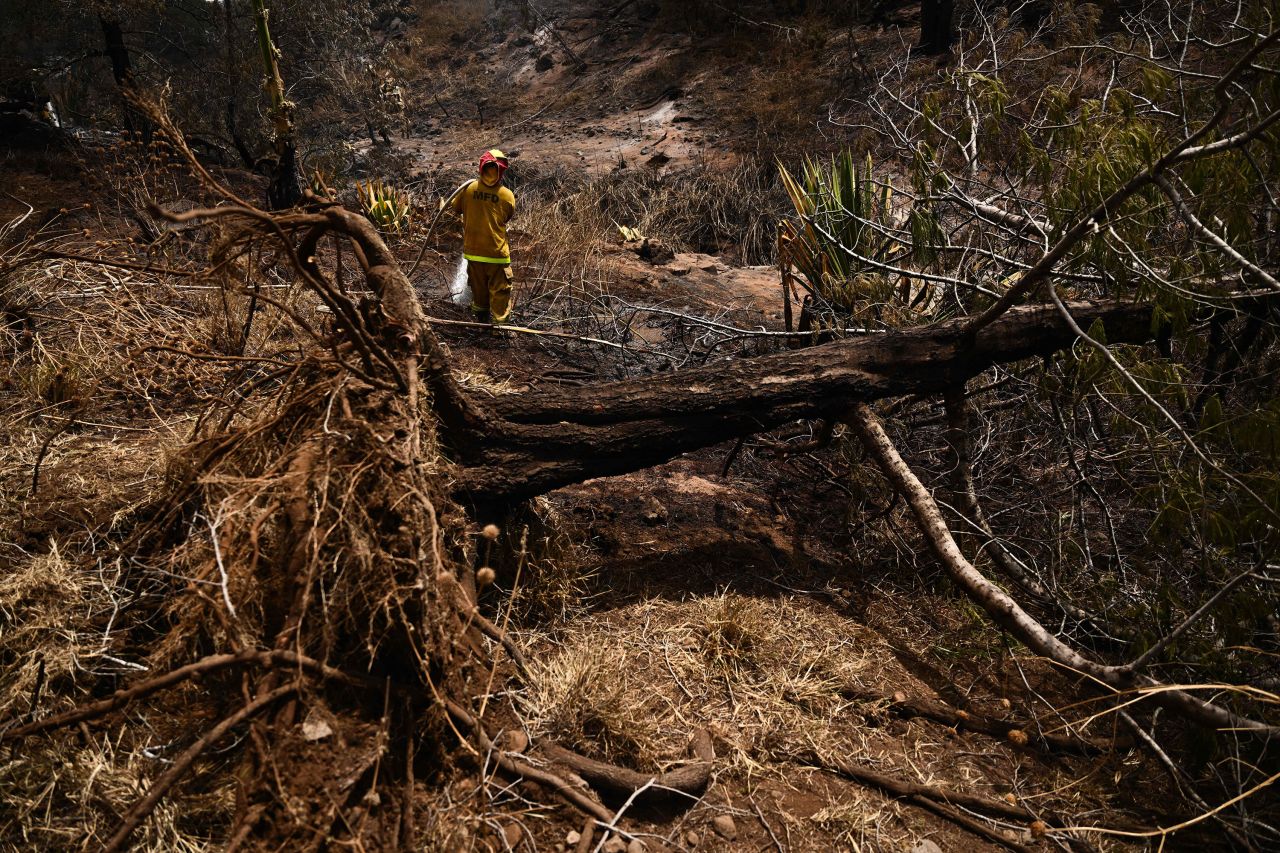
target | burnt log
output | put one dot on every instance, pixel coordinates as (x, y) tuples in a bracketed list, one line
[(536, 443)]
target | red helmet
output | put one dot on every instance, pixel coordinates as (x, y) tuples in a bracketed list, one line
[(497, 158)]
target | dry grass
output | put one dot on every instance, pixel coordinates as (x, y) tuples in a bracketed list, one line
[(709, 207), (862, 820), (42, 645), (62, 794), (61, 633), (774, 680), (766, 675)]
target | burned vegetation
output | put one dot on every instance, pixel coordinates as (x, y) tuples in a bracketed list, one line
[(917, 489)]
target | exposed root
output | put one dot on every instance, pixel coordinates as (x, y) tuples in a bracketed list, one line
[(687, 782), (940, 712), (521, 769)]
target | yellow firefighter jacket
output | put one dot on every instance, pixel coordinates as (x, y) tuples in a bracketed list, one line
[(485, 213)]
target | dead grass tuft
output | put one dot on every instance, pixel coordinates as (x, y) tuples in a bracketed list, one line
[(555, 574), (56, 644), (860, 819), (42, 640), (766, 675), (61, 796), (588, 700)]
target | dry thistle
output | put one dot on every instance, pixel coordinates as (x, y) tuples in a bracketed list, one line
[(484, 577), (491, 532)]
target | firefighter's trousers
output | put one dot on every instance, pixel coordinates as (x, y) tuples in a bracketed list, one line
[(490, 290)]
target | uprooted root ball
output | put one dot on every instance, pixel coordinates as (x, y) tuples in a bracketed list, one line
[(318, 529)]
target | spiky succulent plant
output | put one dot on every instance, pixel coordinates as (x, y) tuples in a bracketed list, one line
[(387, 207)]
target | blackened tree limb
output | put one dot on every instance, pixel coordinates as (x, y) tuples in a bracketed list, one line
[(540, 442)]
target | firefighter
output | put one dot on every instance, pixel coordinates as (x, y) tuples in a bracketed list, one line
[(486, 206)]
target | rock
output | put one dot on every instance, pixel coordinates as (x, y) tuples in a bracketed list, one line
[(710, 265), (544, 63), (315, 727), (678, 269), (522, 40), (926, 846), (654, 513), (658, 160), (573, 837), (692, 838), (513, 740), (513, 835), (725, 827), (637, 846), (614, 845), (655, 251)]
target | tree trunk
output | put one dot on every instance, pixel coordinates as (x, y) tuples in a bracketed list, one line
[(526, 445), (122, 72), (937, 26), (233, 88), (536, 443), (284, 190)]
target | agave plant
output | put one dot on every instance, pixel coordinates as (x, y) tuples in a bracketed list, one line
[(845, 234), (387, 207)]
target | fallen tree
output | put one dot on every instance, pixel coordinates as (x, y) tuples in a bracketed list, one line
[(540, 442)]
